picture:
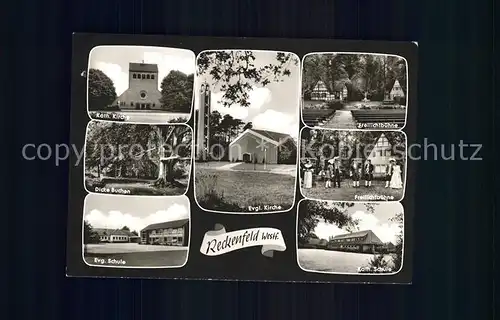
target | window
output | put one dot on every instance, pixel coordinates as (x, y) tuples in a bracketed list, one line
[(147, 76), (153, 105), (152, 76), (143, 76), (134, 76), (131, 103)]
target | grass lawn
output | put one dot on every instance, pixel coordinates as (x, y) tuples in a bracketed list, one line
[(129, 187), (175, 258), (246, 189), (333, 261), (346, 192)]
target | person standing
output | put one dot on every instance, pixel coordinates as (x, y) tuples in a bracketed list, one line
[(388, 172), (328, 174), (308, 174), (356, 172), (368, 171), (336, 172), (396, 181)]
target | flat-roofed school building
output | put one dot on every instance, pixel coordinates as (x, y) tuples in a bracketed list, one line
[(171, 233)]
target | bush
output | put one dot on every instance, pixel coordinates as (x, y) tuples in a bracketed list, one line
[(113, 108), (207, 194), (335, 105)]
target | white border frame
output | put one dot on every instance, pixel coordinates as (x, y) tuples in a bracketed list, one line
[(350, 273), (135, 267), (126, 123), (360, 53), (359, 130), (138, 46), (298, 110)]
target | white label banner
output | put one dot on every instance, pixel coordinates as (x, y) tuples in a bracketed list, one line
[(218, 241)]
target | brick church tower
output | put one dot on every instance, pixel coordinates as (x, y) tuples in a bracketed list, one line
[(142, 92)]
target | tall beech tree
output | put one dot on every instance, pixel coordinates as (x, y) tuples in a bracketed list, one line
[(238, 73), (102, 91)]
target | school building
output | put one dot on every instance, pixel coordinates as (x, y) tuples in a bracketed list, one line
[(361, 242), (116, 235), (171, 233)]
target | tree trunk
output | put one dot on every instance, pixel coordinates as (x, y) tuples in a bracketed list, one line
[(99, 170)]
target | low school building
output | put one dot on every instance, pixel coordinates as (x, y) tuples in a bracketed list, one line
[(116, 235)]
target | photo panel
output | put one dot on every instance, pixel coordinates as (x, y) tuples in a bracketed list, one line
[(349, 90), (350, 238), (137, 159), (353, 165), (136, 232), (140, 84), (247, 125)]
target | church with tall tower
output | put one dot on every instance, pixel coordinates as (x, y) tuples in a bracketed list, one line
[(142, 92), (202, 118)]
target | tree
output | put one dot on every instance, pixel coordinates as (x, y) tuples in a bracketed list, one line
[(248, 125), (237, 72), (177, 92), (311, 212), (173, 144), (89, 235), (397, 257), (314, 69), (101, 90), (287, 152), (125, 228)]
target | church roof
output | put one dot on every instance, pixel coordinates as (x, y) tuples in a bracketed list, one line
[(142, 67), (275, 138)]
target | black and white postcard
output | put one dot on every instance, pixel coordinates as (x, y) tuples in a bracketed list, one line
[(136, 232), (137, 159), (352, 165), (354, 90), (247, 123), (242, 159), (350, 238), (140, 84)]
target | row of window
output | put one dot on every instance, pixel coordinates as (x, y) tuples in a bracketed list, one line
[(348, 240), (143, 76), (107, 238), (170, 230), (138, 104)]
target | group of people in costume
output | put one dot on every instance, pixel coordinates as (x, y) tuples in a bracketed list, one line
[(332, 172)]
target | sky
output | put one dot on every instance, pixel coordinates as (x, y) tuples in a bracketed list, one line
[(115, 212), (274, 107), (114, 60), (378, 222)]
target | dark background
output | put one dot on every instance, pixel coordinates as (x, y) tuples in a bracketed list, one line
[(452, 273), (249, 263)]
